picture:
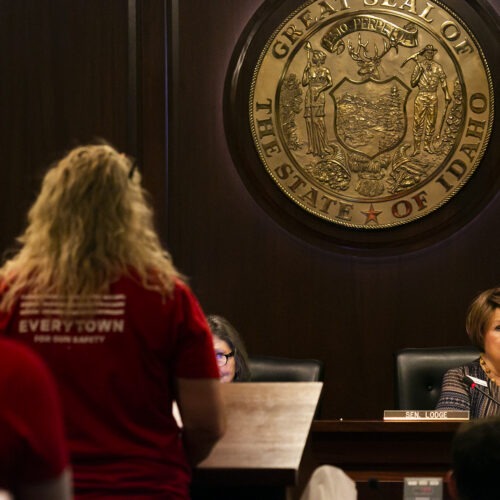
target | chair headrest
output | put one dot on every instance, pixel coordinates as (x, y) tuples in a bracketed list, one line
[(278, 369)]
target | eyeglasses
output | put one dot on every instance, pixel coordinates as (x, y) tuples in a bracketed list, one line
[(222, 358)]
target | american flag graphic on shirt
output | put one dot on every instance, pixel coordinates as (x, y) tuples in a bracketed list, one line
[(88, 319)]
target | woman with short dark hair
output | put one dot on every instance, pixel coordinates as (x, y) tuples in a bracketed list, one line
[(230, 350), (483, 329)]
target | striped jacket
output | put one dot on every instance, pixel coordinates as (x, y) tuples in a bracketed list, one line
[(455, 395)]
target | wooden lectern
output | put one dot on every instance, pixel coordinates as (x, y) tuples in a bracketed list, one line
[(259, 456)]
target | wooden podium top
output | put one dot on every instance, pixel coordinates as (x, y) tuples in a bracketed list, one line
[(267, 428)]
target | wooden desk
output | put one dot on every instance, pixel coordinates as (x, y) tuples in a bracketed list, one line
[(378, 455), (260, 454)]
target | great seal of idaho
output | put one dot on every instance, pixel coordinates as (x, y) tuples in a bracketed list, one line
[(371, 113)]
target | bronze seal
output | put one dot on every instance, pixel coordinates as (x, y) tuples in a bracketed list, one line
[(371, 113)]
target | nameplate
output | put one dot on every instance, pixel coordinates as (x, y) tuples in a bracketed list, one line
[(427, 415), (423, 488)]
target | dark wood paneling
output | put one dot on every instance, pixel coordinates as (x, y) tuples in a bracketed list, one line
[(151, 81), (288, 296), (63, 81)]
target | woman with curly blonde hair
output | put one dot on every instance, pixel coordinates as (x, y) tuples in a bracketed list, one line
[(94, 293)]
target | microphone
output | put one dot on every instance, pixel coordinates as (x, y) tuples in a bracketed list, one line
[(470, 383)]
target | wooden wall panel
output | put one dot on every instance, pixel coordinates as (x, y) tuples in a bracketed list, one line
[(63, 81)]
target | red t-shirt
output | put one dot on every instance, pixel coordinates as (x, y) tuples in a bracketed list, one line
[(32, 443), (115, 368)]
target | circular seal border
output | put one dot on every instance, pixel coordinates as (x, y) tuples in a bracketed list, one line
[(454, 212), (444, 199)]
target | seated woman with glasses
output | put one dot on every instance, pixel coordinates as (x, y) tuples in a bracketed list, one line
[(230, 354), (230, 351)]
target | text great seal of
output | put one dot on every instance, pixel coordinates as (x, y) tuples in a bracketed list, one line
[(371, 113)]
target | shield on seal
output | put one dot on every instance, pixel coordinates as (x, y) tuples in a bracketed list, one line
[(370, 115)]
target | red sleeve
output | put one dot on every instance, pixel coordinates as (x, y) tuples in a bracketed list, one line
[(195, 356), (30, 415)]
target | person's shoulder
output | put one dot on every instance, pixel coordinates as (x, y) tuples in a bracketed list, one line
[(14, 349), (456, 371), (471, 368), (15, 357), (181, 287), (150, 282), (473, 364), (155, 295), (474, 368)]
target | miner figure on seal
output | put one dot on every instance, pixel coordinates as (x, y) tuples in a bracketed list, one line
[(427, 75)]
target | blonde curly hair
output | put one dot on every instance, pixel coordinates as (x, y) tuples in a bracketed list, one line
[(90, 225)]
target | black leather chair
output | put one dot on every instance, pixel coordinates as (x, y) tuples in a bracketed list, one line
[(420, 371), (277, 369)]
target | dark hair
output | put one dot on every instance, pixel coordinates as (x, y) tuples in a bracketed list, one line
[(476, 459), (225, 331)]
